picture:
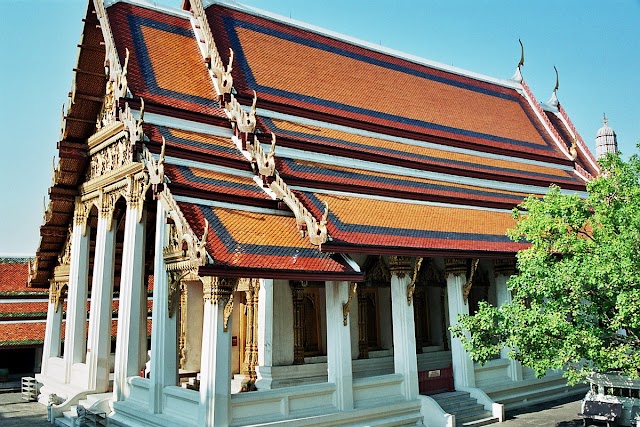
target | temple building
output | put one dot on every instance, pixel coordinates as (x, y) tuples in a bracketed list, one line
[(308, 212), (23, 313)]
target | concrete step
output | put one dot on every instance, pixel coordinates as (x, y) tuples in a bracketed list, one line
[(467, 410)]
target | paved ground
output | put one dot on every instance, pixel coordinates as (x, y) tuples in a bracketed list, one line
[(15, 412), (562, 413)]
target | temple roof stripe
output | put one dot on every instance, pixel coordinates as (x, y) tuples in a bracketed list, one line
[(270, 118), (529, 187), (422, 155), (315, 172), (233, 206), (215, 182), (194, 141), (369, 222)]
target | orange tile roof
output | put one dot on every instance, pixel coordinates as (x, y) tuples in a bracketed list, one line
[(320, 175), (383, 223), (24, 309), (259, 241), (215, 182), (180, 141), (165, 63), (302, 69), (15, 334)]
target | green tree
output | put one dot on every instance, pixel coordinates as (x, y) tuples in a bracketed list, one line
[(576, 296)]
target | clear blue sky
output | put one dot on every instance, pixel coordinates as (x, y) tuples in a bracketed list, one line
[(594, 44)]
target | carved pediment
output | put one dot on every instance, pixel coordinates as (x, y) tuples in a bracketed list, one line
[(376, 272), (430, 275)]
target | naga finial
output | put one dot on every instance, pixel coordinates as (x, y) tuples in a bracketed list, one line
[(272, 151), (325, 215), (126, 63), (555, 89)]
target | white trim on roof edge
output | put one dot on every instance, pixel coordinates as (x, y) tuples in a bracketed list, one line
[(362, 43), (365, 165), (151, 5), (182, 124), (225, 205)]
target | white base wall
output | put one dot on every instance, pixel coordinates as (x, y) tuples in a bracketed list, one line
[(377, 401)]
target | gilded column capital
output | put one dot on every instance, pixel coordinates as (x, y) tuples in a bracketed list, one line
[(56, 293), (455, 266), (218, 289), (504, 267), (81, 214), (135, 194), (400, 265)]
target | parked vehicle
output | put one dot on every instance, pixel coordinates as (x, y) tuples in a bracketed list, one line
[(613, 398)]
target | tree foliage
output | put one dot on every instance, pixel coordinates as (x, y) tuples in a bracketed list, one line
[(576, 296)]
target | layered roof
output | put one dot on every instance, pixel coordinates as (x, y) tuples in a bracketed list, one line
[(412, 157)]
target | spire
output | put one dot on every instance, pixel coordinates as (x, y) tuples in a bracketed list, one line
[(606, 140)]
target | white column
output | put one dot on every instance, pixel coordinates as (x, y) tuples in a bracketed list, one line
[(339, 370), (53, 329), (404, 337), (132, 291), (463, 371), (504, 269), (99, 340), (164, 366), (76, 325), (265, 334), (215, 370)]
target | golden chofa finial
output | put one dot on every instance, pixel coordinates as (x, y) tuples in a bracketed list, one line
[(518, 75), (521, 63)]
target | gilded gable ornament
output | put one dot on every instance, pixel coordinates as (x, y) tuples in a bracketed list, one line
[(116, 87), (347, 306)]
